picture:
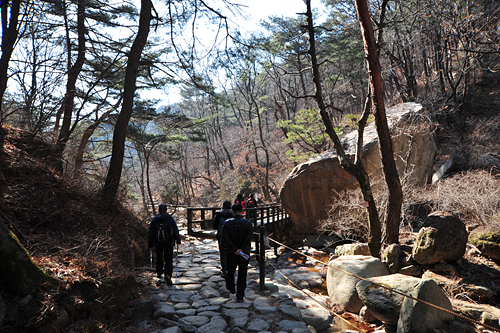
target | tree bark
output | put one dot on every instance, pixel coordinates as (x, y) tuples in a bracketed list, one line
[(9, 37), (69, 98), (356, 169), (384, 135), (110, 188)]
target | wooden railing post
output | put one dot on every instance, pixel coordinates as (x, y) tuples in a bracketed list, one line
[(262, 263), (190, 221)]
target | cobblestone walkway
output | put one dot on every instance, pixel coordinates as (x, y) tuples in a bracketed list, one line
[(199, 301)]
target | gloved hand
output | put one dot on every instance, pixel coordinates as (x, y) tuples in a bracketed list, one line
[(179, 241)]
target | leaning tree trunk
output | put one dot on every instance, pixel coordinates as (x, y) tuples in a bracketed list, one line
[(69, 98), (384, 135), (110, 188), (356, 169), (17, 270)]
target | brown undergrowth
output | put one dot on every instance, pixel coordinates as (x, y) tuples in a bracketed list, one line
[(69, 234)]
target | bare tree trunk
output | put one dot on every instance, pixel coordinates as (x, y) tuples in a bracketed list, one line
[(356, 169), (115, 166), (384, 135), (83, 143), (9, 37), (69, 98)]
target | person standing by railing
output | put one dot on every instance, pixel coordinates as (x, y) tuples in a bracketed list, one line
[(237, 236)]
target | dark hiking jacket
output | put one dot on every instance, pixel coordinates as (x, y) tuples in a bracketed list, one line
[(220, 216), (237, 234), (153, 228)]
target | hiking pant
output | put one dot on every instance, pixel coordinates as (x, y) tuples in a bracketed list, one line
[(223, 259), (233, 261), (164, 253)]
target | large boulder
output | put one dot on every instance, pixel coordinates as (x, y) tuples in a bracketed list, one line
[(342, 286), (443, 237), (393, 309), (311, 187)]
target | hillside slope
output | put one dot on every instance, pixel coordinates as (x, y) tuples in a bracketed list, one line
[(67, 233)]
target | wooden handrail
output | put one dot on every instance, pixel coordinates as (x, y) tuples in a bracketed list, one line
[(270, 216)]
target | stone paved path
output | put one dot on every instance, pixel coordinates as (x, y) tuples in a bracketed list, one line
[(199, 301)]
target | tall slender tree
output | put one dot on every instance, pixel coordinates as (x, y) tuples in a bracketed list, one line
[(384, 135), (354, 168), (110, 187), (9, 11)]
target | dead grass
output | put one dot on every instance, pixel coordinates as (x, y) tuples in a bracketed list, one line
[(474, 196)]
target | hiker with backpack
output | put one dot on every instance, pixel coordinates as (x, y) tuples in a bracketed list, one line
[(219, 219), (163, 234), (236, 240), (251, 202)]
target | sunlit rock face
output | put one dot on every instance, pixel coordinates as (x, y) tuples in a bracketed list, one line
[(311, 187)]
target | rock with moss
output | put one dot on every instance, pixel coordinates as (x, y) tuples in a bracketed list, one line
[(443, 237), (19, 272), (487, 240), (392, 256)]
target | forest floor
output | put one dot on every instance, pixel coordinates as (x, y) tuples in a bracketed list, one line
[(93, 252)]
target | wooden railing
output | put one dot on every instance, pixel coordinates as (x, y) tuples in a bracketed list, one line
[(200, 219)]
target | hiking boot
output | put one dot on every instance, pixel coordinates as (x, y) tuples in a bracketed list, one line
[(239, 300), (168, 280), (232, 291)]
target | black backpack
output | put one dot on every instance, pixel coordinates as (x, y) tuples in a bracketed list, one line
[(163, 231), (221, 225)]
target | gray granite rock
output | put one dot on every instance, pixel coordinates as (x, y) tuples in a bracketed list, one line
[(258, 325), (164, 310)]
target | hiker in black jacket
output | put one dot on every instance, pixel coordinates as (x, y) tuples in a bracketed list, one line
[(236, 238), (220, 218), (163, 234)]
